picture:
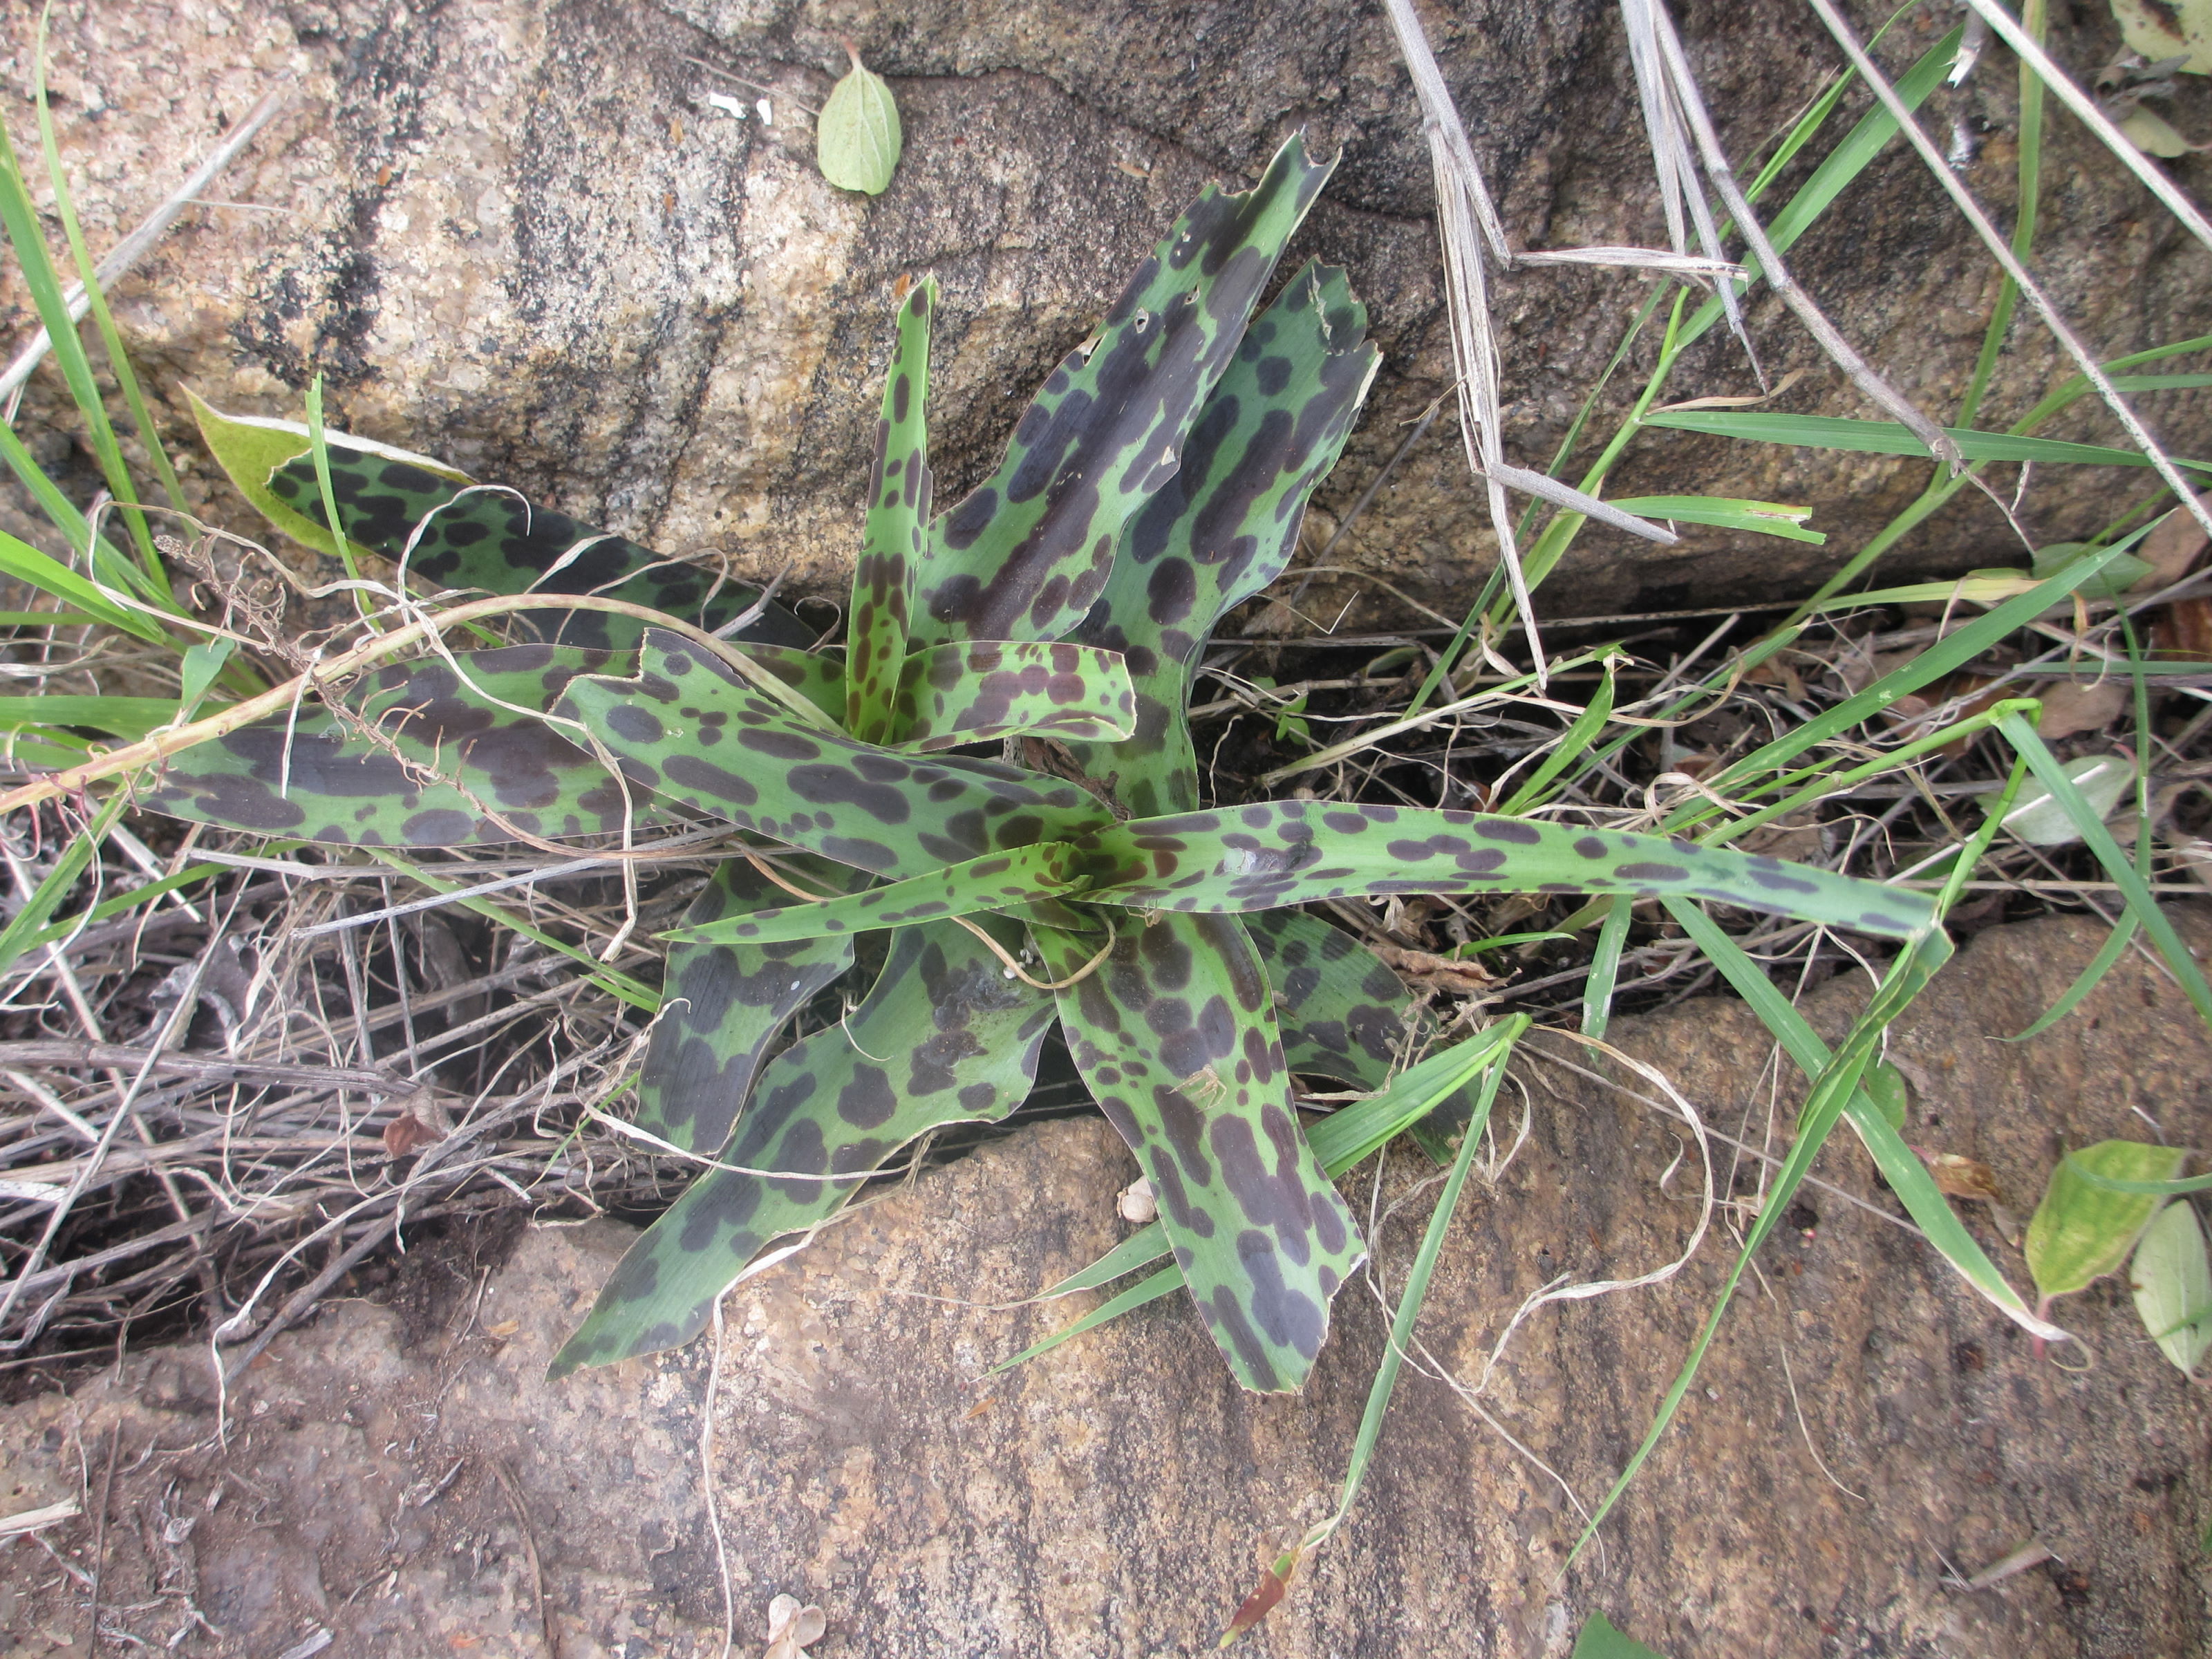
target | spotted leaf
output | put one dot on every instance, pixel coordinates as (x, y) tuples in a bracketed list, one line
[(1346, 1013), (721, 1004), (972, 691), (450, 762), (956, 1040), (1224, 527), (1026, 553), (1259, 857), (819, 679), (1177, 1038), (997, 882), (899, 493), (456, 534), (685, 726)]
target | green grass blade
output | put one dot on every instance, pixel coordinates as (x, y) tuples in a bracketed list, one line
[(1727, 513), (24, 928), (119, 361), (26, 564), (2133, 889), (1900, 1167), (1568, 748), (28, 236), (1890, 438), (1605, 967)]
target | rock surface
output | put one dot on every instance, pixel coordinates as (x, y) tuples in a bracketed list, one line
[(1863, 1430), (515, 234)]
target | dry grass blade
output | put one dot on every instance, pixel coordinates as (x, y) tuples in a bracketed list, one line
[(1681, 88), (1466, 220), (2000, 249)]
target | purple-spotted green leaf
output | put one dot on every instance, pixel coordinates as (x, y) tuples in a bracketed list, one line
[(1025, 555), (1279, 853), (1346, 1014), (1342, 1010), (1225, 526), (685, 726), (819, 679), (955, 1041), (449, 766), (900, 489), (997, 882), (1177, 1038), (970, 691), (456, 533), (250, 447), (721, 1004)]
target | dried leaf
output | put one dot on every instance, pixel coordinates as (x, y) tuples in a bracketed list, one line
[(1269, 1590), (1959, 1176), (2171, 550), (2160, 29), (2073, 706)]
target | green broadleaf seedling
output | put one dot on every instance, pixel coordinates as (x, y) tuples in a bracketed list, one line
[(2083, 1230)]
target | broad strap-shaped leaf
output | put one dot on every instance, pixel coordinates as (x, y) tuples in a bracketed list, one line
[(1225, 526), (1290, 852), (250, 447), (721, 1004), (1026, 554), (972, 691), (1346, 1014), (955, 1041), (899, 493), (686, 726), (446, 765), (1342, 1010), (997, 882), (457, 534), (819, 679), (1176, 1036)]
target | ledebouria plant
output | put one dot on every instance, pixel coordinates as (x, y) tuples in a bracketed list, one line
[(1157, 479)]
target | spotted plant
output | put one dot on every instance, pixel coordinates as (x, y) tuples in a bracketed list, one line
[(1159, 478)]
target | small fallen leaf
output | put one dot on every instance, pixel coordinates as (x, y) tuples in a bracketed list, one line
[(2183, 631), (791, 1627), (2172, 1279), (857, 138), (2168, 28), (2081, 1232), (2153, 135), (2073, 706), (1957, 1176), (414, 1127), (1135, 1202), (2172, 548), (2041, 819), (979, 1408)]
